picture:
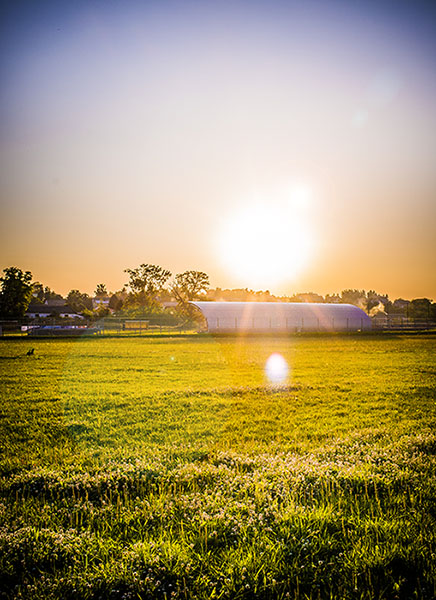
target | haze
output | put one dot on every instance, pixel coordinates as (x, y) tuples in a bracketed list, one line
[(144, 132)]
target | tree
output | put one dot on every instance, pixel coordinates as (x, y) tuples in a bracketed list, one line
[(43, 294), (188, 286), (375, 300), (101, 290), (332, 299), (307, 297), (146, 282), (401, 307), (37, 293), (356, 297), (115, 302), (79, 301), (420, 308), (15, 293), (51, 295)]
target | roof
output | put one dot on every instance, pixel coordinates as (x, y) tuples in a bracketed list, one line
[(282, 315), (43, 309)]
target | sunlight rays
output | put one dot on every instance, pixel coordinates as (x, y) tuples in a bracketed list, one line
[(269, 240)]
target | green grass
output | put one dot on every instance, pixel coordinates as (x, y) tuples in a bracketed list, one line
[(170, 468)]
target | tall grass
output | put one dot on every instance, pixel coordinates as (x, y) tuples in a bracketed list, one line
[(171, 468)]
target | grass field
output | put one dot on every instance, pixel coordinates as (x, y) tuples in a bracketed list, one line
[(170, 468)]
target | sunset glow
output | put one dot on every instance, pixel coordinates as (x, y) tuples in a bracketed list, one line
[(269, 242), (274, 144)]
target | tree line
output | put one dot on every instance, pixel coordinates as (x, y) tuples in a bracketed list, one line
[(151, 287), (147, 288)]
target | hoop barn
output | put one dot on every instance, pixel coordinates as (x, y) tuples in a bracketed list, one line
[(263, 317)]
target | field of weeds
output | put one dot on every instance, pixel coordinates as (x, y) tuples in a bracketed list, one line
[(171, 468)]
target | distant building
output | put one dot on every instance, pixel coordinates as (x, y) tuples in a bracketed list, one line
[(264, 317), (100, 302), (56, 302), (42, 311)]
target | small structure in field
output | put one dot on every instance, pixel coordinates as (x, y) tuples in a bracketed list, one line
[(264, 317)]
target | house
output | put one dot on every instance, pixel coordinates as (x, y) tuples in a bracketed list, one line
[(42, 311), (100, 302)]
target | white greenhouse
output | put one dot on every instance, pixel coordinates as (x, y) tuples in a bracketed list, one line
[(227, 317)]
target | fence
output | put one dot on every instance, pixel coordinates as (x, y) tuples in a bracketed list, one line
[(52, 327), (126, 327), (400, 323)]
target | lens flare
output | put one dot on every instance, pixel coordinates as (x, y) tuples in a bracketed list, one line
[(276, 368)]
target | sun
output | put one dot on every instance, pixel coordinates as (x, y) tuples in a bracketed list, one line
[(267, 243)]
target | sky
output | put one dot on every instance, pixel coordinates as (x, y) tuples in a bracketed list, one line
[(288, 146)]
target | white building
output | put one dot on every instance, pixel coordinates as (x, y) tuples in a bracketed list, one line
[(42, 311), (227, 317), (100, 302)]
